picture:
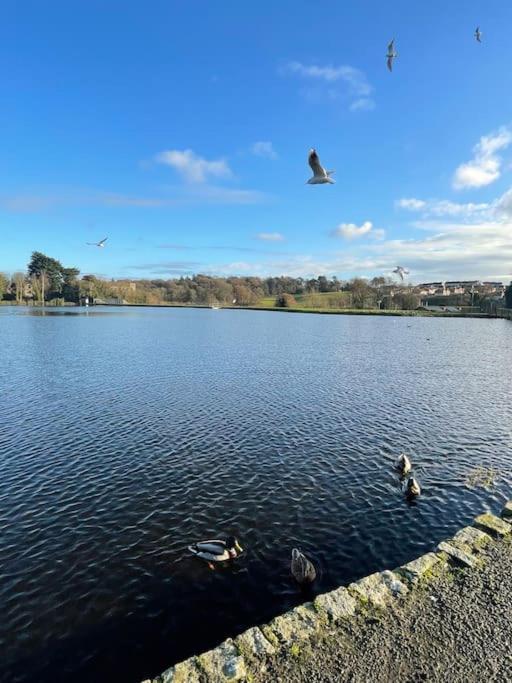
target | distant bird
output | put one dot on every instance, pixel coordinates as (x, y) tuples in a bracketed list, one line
[(391, 54), (401, 271), (320, 175), (100, 244), (303, 570), (217, 550), (403, 464), (234, 301), (413, 488), (478, 34)]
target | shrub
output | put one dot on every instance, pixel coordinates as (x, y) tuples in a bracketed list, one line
[(286, 301)]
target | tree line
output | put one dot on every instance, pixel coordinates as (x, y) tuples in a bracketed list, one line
[(46, 279)]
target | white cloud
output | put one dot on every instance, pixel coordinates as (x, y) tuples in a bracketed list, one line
[(355, 78), (410, 204), (192, 167), (363, 104), (485, 167), (453, 251), (503, 206), (350, 231), (449, 251), (357, 87), (270, 236), (444, 207), (264, 149)]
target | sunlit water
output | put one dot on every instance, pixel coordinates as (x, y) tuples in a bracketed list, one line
[(127, 433)]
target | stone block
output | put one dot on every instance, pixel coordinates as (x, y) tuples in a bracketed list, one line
[(415, 570), (395, 585), (223, 664), (293, 627), (337, 604), (457, 554), (254, 643), (492, 525), (470, 538), (184, 672), (506, 513), (373, 589)]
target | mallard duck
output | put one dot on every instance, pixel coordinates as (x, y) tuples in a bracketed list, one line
[(217, 550), (303, 570), (413, 488), (403, 464)]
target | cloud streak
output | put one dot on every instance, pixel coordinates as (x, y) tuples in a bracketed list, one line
[(270, 236), (264, 149), (175, 196), (443, 207), (329, 78)]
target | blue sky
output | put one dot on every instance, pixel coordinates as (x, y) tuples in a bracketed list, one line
[(181, 131)]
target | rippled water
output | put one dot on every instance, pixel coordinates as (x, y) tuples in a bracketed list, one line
[(126, 434)]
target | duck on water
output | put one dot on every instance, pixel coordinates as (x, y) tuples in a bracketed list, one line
[(217, 550)]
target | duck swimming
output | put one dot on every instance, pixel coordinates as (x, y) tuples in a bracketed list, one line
[(403, 464), (217, 550), (303, 570), (413, 488)]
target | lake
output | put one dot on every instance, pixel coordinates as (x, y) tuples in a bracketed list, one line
[(127, 433)]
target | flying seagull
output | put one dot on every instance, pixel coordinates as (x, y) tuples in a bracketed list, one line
[(320, 175), (478, 34), (101, 243), (391, 54), (400, 270)]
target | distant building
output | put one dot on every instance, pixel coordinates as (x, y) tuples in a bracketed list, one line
[(461, 287), (431, 288)]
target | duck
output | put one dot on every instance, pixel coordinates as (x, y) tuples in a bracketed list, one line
[(303, 570), (217, 550), (403, 464), (413, 488)]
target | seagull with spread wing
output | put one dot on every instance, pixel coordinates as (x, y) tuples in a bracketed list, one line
[(391, 54), (478, 34), (100, 244), (401, 271), (320, 175)]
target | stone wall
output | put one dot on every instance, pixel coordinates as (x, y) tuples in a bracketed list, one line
[(236, 659)]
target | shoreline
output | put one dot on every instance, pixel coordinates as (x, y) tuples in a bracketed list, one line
[(324, 311), (503, 313), (328, 639)]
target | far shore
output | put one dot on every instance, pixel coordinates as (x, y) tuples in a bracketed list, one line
[(503, 313), (323, 311)]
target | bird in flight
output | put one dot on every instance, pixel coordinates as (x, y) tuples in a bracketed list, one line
[(100, 244), (320, 175), (478, 34), (391, 54), (401, 271)]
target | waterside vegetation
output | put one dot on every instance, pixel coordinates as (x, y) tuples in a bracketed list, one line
[(48, 281)]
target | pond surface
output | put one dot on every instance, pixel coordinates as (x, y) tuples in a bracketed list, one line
[(125, 436)]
